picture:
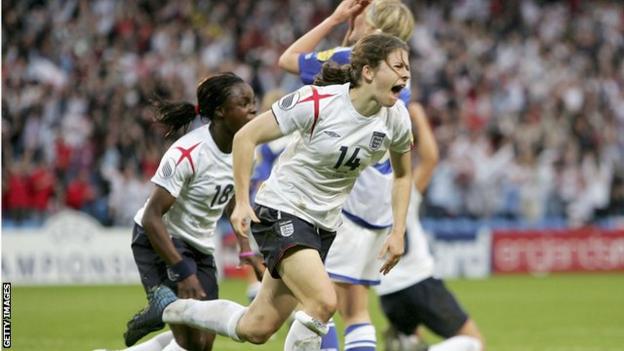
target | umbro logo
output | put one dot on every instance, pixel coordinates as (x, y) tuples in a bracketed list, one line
[(332, 134)]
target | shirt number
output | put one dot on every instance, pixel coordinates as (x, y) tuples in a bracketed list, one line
[(222, 197), (353, 162)]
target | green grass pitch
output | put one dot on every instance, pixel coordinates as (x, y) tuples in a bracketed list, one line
[(515, 313)]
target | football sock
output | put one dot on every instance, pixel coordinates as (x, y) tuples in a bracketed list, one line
[(458, 343), (305, 333), (219, 316), (329, 341), (360, 337), (252, 290), (173, 346), (157, 343)]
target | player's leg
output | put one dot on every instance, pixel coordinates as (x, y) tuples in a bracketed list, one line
[(153, 274), (429, 302), (206, 271), (282, 237), (157, 343), (255, 324), (315, 293), (152, 271), (467, 338), (447, 318), (353, 308), (352, 275)]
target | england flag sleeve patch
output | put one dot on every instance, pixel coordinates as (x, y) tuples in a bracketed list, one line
[(176, 166), (292, 115)]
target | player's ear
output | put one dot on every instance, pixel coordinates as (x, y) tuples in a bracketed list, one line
[(368, 73), (219, 113)]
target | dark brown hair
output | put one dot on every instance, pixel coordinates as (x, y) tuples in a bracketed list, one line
[(371, 50), (212, 92)]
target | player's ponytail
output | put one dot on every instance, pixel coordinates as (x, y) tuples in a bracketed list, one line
[(212, 92), (173, 115), (332, 73)]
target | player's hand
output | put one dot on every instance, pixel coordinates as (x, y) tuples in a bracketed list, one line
[(241, 218), (256, 263), (349, 9), (190, 288), (393, 250)]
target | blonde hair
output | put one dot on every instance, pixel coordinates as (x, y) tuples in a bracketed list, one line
[(391, 17)]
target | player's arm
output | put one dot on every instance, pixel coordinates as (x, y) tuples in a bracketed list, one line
[(246, 255), (426, 147), (289, 61), (159, 203), (394, 245), (261, 129)]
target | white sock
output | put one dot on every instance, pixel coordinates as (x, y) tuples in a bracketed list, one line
[(360, 337), (305, 333), (156, 343), (458, 343), (173, 346), (218, 316)]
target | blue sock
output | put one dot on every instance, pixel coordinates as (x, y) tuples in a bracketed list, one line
[(329, 342), (360, 337)]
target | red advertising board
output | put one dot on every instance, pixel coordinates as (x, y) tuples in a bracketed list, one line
[(571, 250)]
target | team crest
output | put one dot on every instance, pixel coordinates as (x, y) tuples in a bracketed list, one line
[(376, 140), (287, 228), (168, 168), (288, 101), (325, 55)]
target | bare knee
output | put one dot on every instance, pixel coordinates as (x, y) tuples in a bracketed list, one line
[(470, 329), (261, 334), (322, 308)]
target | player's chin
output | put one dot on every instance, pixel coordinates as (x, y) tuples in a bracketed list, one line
[(389, 101)]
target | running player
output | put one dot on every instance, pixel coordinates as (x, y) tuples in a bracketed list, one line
[(173, 236), (343, 128), (367, 214)]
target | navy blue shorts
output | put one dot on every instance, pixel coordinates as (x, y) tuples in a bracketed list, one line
[(428, 302), (279, 232), (153, 270)]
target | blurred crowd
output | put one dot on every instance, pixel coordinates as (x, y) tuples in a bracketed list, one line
[(526, 98)]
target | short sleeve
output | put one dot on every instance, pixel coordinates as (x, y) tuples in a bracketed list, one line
[(176, 167), (402, 138), (292, 116), (310, 64)]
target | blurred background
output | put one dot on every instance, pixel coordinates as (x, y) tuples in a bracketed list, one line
[(526, 99)]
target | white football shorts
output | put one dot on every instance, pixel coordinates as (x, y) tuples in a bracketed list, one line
[(352, 257)]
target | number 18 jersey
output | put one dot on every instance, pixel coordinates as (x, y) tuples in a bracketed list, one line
[(199, 176), (316, 172)]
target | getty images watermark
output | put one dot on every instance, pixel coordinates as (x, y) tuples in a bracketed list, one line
[(6, 315)]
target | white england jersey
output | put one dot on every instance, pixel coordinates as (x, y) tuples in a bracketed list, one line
[(417, 263), (370, 201), (317, 170), (199, 176)]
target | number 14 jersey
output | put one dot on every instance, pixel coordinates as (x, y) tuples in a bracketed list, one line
[(316, 172)]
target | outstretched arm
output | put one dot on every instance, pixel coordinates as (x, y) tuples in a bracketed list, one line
[(394, 245), (289, 61), (260, 130), (427, 147)]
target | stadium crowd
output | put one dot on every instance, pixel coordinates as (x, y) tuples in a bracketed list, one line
[(526, 98)]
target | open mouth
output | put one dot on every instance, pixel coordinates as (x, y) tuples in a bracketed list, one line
[(397, 88)]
